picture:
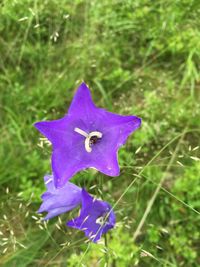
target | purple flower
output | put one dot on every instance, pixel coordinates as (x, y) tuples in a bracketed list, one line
[(86, 137), (96, 217), (57, 201)]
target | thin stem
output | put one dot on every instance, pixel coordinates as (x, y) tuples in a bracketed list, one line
[(106, 253), (159, 186), (140, 173), (105, 236)]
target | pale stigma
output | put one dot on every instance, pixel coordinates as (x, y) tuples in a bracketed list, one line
[(90, 138), (102, 220)]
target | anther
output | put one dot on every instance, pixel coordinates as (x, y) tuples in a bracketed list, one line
[(102, 220)]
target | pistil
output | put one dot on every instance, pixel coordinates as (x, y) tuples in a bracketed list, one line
[(90, 138), (102, 220)]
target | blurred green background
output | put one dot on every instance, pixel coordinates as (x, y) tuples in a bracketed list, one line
[(138, 57)]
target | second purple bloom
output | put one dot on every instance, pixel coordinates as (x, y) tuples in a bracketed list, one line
[(96, 216)]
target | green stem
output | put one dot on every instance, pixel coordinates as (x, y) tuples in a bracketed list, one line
[(105, 236), (106, 253)]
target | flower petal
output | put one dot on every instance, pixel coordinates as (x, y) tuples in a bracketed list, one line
[(92, 210), (82, 105), (57, 201), (56, 131), (65, 163), (54, 213), (120, 127)]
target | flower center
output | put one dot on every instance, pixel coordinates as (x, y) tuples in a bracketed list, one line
[(90, 139), (101, 220)]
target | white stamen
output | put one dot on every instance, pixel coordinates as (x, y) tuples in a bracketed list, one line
[(100, 220), (88, 137), (81, 132), (87, 145), (87, 140), (95, 133)]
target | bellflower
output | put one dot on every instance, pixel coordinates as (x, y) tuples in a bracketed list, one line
[(57, 201), (86, 137), (96, 217)]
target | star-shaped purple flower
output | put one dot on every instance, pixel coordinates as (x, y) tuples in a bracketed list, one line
[(86, 137), (96, 217), (61, 200)]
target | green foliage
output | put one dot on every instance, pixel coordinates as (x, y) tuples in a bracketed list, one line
[(139, 57), (122, 251), (26, 255), (185, 236)]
